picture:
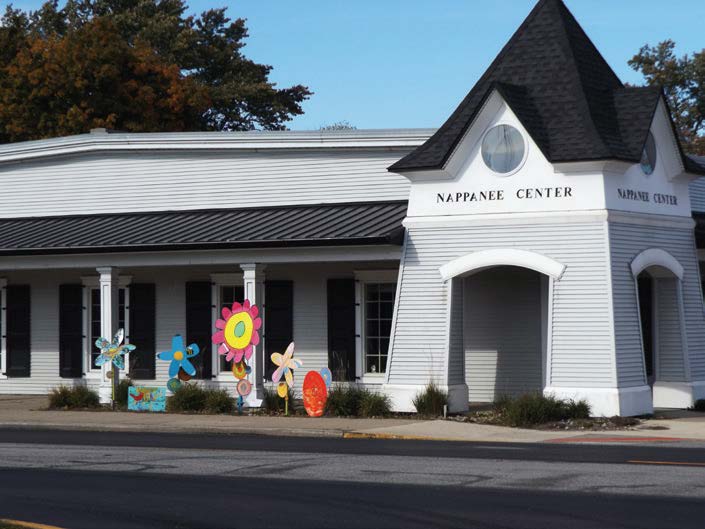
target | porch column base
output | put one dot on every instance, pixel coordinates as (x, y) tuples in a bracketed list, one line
[(608, 402), (402, 396), (677, 394)]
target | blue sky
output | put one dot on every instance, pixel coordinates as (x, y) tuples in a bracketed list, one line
[(408, 63)]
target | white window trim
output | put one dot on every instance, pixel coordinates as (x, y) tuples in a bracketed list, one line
[(218, 281), (93, 283), (363, 278), (3, 327)]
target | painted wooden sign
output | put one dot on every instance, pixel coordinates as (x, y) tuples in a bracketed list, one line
[(146, 399)]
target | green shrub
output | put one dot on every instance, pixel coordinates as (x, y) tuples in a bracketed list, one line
[(76, 397), (374, 404), (353, 401), (219, 401), (122, 392), (534, 408), (188, 398), (344, 401), (431, 401), (273, 403), (699, 405)]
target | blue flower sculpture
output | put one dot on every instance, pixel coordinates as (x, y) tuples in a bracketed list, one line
[(113, 351), (179, 356)]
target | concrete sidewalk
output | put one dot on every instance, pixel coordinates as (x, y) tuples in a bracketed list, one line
[(30, 412)]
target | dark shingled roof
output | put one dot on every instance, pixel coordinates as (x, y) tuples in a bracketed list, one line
[(371, 223), (563, 91)]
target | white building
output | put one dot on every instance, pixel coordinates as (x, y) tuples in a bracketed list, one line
[(543, 239)]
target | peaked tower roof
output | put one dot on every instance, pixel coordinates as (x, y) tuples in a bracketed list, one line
[(561, 88)]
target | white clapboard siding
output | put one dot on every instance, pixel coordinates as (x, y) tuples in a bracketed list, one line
[(310, 317), (158, 181), (626, 242), (456, 349), (503, 333), (670, 343), (582, 339), (697, 195)]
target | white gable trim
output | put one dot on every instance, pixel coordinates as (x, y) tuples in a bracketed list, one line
[(478, 261), (656, 257)]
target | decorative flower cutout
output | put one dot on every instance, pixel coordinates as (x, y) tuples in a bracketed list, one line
[(286, 363), (113, 351), (179, 356), (238, 331)]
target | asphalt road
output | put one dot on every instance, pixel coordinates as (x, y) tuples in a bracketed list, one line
[(84, 479)]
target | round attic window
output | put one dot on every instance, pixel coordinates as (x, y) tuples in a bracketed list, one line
[(648, 155), (503, 149)]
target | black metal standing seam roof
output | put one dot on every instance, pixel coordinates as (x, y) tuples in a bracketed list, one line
[(562, 90), (370, 223)]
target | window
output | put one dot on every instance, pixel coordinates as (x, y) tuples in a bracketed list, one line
[(648, 155), (227, 295), (95, 323), (378, 312), (503, 149)]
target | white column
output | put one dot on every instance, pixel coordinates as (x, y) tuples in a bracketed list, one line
[(109, 290), (253, 281), (3, 326)]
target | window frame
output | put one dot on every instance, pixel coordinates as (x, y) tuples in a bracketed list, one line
[(524, 157), (218, 282), (362, 280), (91, 283)]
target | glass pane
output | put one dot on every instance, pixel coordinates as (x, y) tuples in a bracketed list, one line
[(386, 310), (372, 346), (383, 363), (385, 327), (503, 149), (372, 328), (648, 156), (383, 346), (387, 292), (372, 309), (372, 292), (372, 364)]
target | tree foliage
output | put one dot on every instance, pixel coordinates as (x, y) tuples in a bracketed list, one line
[(683, 81), (134, 65)]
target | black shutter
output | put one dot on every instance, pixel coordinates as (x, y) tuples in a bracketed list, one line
[(198, 325), (278, 320), (341, 328), (18, 331), (70, 331), (142, 305)]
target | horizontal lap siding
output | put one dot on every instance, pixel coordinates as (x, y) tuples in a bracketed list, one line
[(627, 241), (697, 195), (503, 333), (582, 343), (310, 317), (175, 181), (456, 359), (670, 344)]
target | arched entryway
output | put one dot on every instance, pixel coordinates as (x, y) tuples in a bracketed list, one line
[(505, 320), (658, 278)]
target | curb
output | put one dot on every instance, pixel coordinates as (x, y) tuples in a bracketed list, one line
[(28, 525), (275, 432), (364, 435)]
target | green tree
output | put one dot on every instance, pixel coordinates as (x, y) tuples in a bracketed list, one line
[(683, 81), (196, 62)]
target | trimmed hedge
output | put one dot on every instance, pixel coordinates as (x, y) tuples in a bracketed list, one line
[(71, 398)]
